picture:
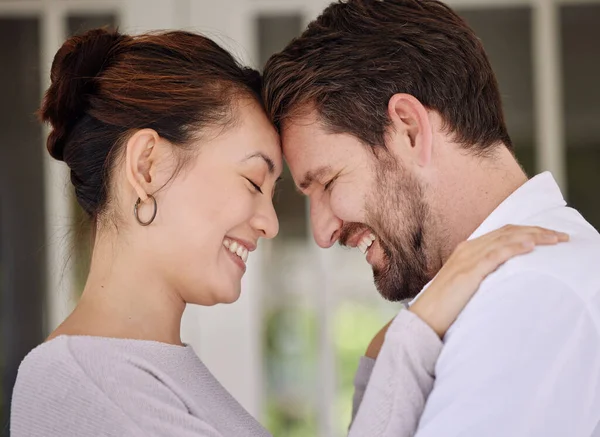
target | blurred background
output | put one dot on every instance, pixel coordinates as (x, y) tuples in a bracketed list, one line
[(289, 348)]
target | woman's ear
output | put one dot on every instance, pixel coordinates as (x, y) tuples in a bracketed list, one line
[(139, 161)]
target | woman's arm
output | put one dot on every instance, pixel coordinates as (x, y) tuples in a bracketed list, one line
[(401, 379), (414, 347)]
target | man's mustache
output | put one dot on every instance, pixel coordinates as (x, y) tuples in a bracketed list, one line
[(350, 229)]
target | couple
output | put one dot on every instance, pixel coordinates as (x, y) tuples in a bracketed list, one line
[(389, 117)]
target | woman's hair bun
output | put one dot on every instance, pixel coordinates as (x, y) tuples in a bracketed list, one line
[(75, 69)]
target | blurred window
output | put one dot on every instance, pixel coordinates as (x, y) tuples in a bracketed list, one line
[(580, 29), (506, 36), (22, 224)]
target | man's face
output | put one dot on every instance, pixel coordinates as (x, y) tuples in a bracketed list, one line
[(361, 197)]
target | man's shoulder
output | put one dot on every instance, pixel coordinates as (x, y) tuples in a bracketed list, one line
[(548, 281), (575, 265)]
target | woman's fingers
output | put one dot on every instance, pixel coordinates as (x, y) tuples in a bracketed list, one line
[(508, 235), (500, 254), (483, 260), (510, 231)]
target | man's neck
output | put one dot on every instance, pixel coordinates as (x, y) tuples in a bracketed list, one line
[(468, 192)]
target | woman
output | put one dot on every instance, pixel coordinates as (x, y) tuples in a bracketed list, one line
[(175, 162)]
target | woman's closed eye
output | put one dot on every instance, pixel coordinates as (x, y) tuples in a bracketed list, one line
[(255, 186)]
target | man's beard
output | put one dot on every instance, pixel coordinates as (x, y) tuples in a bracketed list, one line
[(397, 213)]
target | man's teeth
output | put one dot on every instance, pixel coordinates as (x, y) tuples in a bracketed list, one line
[(236, 248), (366, 242)]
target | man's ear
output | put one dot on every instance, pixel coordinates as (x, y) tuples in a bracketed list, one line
[(411, 133)]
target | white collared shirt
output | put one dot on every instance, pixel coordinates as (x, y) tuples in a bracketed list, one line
[(523, 359)]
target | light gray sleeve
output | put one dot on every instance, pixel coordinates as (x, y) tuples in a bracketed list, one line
[(361, 379), (400, 381)]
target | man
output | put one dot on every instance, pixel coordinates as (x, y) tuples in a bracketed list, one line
[(392, 125)]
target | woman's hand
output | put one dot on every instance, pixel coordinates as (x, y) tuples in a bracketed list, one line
[(460, 277)]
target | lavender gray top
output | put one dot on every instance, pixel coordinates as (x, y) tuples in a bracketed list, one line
[(76, 386)]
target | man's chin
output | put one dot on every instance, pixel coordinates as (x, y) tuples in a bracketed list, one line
[(392, 288), (384, 286)]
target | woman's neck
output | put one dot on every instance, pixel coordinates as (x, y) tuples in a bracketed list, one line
[(125, 297)]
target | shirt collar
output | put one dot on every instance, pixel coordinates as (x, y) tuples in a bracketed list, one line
[(538, 194)]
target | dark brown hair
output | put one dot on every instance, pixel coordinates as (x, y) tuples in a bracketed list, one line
[(106, 85), (359, 53)]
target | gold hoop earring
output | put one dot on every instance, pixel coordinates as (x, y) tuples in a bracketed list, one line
[(136, 209)]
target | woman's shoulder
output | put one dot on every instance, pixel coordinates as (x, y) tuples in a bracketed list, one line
[(57, 367), (46, 358), (49, 383), (92, 377), (88, 357), (63, 351), (59, 388)]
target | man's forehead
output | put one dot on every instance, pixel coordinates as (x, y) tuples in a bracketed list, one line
[(311, 150), (301, 160), (300, 145), (303, 121), (307, 162)]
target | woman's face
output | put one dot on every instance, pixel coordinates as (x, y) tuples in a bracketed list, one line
[(211, 216)]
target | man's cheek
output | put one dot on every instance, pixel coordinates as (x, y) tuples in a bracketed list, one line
[(348, 206)]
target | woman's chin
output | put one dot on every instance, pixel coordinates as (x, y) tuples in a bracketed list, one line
[(221, 294), (227, 293), (231, 296)]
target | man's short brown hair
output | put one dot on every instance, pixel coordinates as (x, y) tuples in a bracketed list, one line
[(359, 53)]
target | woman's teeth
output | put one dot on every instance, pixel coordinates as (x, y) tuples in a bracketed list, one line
[(366, 242), (237, 249)]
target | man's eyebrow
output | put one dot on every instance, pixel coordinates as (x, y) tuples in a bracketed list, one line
[(313, 175), (268, 161)]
